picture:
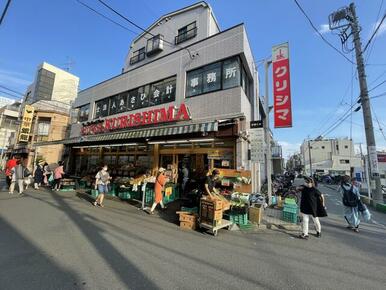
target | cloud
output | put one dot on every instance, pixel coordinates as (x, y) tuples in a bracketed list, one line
[(289, 148), (324, 28), (14, 79)]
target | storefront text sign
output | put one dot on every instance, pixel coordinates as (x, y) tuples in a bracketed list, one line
[(26, 124), (257, 145), (150, 117), (281, 86)]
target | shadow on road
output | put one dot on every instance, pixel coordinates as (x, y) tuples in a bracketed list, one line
[(129, 274), (23, 264)]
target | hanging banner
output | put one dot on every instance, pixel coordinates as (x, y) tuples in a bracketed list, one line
[(281, 86), (26, 124)]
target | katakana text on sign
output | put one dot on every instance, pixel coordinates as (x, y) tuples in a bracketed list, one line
[(281, 87)]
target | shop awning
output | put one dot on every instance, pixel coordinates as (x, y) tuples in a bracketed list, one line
[(136, 134), (154, 132)]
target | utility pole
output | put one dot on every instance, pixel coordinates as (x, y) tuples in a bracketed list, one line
[(369, 129), (309, 156), (349, 14), (267, 133)]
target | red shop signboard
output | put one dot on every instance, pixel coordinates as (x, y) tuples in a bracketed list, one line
[(150, 117), (281, 86)]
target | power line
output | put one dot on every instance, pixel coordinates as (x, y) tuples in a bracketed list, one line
[(340, 104), (379, 125), (9, 94), (375, 32), (11, 90), (105, 17), (378, 96), (376, 21), (318, 32), (171, 44), (378, 85), (5, 11), (339, 121)]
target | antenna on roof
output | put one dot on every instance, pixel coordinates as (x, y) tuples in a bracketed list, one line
[(68, 65)]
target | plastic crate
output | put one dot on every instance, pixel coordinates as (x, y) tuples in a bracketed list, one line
[(239, 219), (291, 217), (289, 201), (290, 207)]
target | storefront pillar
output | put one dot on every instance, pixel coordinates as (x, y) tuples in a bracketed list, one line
[(155, 158)]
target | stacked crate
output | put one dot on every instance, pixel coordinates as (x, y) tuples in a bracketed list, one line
[(188, 221), (290, 211)]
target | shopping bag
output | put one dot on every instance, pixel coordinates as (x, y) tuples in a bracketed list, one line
[(366, 214), (51, 179)]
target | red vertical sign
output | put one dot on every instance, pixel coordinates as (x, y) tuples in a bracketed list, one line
[(281, 86)]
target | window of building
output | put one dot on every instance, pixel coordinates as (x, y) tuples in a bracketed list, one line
[(118, 103), (220, 75), (231, 73), (211, 78), (84, 112), (44, 85), (143, 96), (187, 32), (194, 83), (344, 161), (323, 147), (160, 92), (163, 91), (337, 147), (154, 44), (345, 146), (138, 55), (133, 100), (102, 108), (44, 126)]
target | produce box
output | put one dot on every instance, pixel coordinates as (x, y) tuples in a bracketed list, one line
[(209, 213), (255, 214), (188, 225), (187, 217), (215, 203)]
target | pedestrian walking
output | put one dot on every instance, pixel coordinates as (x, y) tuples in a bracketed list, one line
[(102, 181), (350, 199), (158, 188), (46, 173), (38, 174), (19, 173), (311, 204), (11, 163), (185, 178), (58, 175)]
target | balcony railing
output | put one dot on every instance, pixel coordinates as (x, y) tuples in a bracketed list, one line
[(186, 35)]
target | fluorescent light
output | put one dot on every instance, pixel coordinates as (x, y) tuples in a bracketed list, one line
[(181, 141)]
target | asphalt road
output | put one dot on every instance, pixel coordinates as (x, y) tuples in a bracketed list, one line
[(60, 241)]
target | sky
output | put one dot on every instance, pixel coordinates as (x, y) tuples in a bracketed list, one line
[(323, 82)]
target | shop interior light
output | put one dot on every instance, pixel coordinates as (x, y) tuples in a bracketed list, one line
[(112, 145), (181, 141)]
